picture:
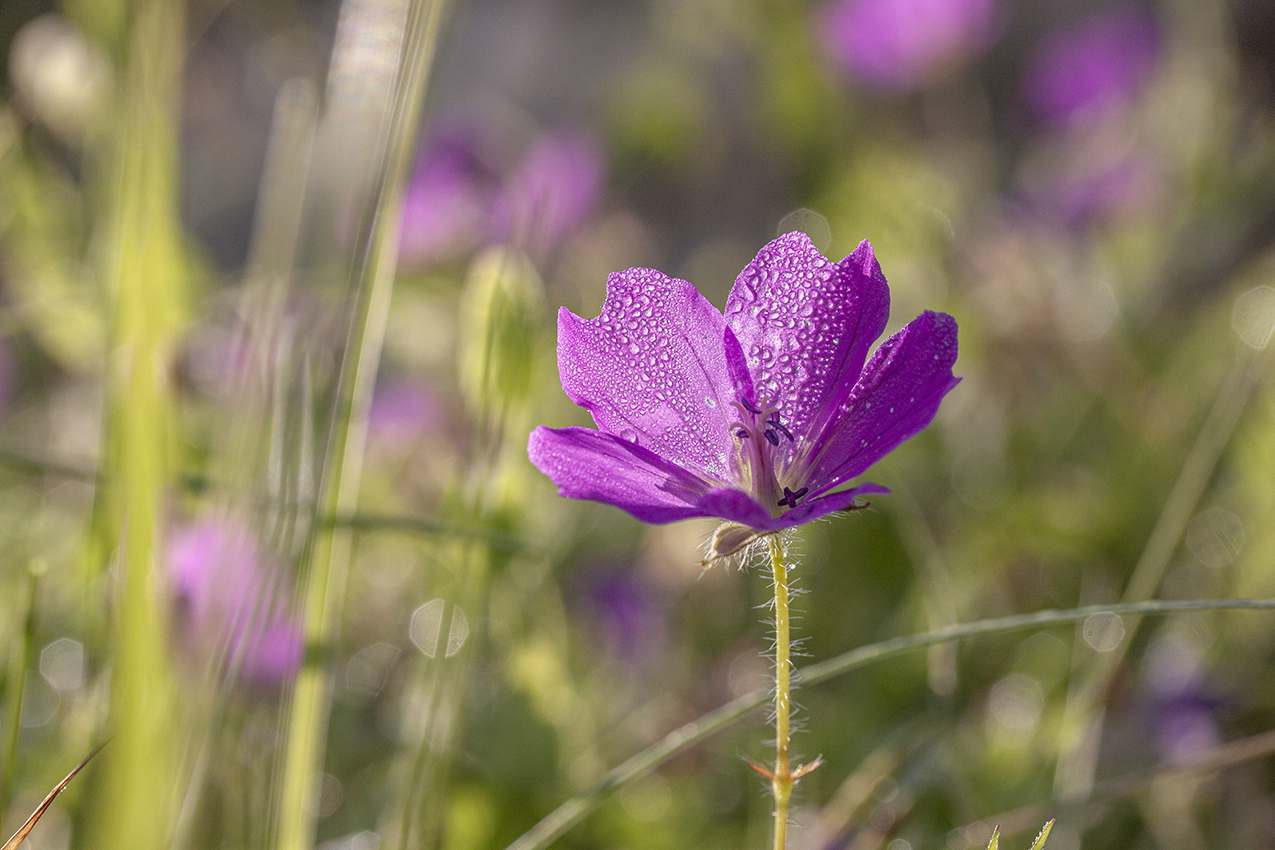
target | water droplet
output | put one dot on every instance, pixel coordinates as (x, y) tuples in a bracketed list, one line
[(629, 435), (710, 401)]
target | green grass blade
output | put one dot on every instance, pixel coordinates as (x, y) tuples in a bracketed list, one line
[(374, 274)]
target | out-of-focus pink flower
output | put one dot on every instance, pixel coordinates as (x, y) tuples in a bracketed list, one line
[(551, 193), (229, 602), (1078, 193), (400, 414), (898, 45), (447, 205), (455, 202), (628, 614), (1087, 69)]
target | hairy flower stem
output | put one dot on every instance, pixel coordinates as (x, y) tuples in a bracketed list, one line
[(782, 781)]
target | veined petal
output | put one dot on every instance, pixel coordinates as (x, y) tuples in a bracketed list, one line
[(805, 326), (588, 464), (651, 368), (738, 506), (895, 398)]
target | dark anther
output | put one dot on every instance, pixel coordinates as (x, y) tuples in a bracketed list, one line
[(748, 404), (775, 423), (742, 434), (772, 436), (790, 498)]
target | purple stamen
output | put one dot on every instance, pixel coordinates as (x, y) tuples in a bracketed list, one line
[(772, 437), (775, 423), (742, 434), (790, 498), (748, 404)]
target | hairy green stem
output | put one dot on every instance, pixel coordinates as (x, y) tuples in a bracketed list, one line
[(782, 780)]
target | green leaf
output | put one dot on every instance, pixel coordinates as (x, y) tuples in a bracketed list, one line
[(995, 843)]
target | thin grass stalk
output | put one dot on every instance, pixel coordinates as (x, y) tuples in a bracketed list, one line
[(145, 274), (324, 590), (1083, 714), (558, 822)]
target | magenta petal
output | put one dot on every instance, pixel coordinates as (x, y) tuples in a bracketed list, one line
[(652, 369), (895, 398), (588, 464), (805, 325)]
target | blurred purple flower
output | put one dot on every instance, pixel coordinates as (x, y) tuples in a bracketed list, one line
[(1080, 193), (400, 414), (1085, 70), (551, 193), (219, 581), (625, 608), (454, 202), (1184, 714), (755, 416), (447, 204), (1186, 724), (898, 45)]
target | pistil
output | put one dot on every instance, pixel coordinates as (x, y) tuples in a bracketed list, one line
[(760, 433)]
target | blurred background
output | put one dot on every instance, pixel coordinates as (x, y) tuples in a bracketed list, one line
[(308, 515)]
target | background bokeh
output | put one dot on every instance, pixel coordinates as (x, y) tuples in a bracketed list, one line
[(1088, 187)]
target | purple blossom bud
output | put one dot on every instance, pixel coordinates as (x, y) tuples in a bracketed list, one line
[(899, 45), (1087, 69)]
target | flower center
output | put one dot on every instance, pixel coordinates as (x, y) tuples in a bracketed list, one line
[(761, 437)]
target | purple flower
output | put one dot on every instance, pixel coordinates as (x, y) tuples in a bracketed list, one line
[(218, 578), (899, 45), (1087, 69), (755, 416), (551, 193)]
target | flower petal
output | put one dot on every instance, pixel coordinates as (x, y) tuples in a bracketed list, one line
[(588, 464), (738, 506), (805, 326), (652, 369), (894, 399)]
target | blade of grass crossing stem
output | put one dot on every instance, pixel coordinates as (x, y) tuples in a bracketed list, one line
[(20, 836), (324, 584), (575, 810), (145, 275)]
